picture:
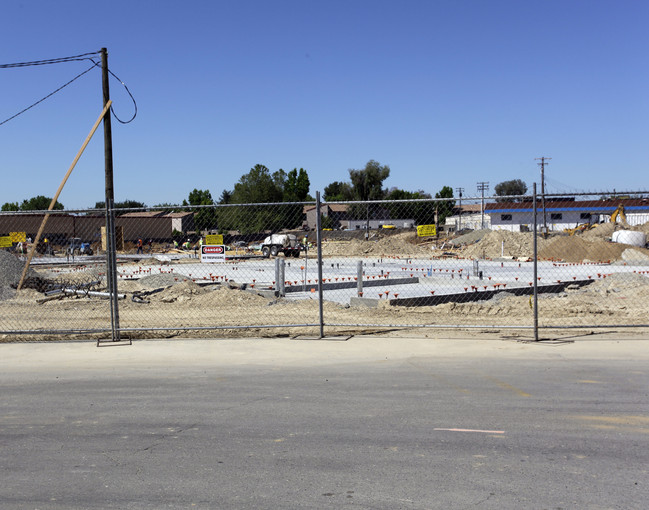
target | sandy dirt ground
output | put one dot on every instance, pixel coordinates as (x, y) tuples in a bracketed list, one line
[(180, 307)]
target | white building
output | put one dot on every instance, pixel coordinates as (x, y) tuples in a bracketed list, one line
[(559, 215)]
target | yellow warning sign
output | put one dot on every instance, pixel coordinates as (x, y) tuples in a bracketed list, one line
[(214, 239), (18, 237), (426, 230), (5, 242)]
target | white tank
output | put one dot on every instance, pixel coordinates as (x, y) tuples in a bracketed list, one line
[(630, 237)]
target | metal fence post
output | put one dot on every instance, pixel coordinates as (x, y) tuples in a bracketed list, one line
[(111, 270), (319, 246), (535, 262), (359, 278)]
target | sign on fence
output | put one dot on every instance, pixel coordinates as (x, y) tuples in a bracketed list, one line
[(18, 237), (5, 242), (213, 239), (426, 230), (212, 253)]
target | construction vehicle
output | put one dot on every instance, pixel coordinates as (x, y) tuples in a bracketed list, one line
[(281, 243), (580, 228), (76, 246), (619, 214)]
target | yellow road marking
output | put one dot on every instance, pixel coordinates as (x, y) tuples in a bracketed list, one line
[(507, 386)]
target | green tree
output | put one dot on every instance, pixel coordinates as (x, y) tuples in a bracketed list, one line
[(296, 187), (422, 212), (258, 186), (226, 197), (367, 184), (338, 192), (10, 206), (126, 204), (445, 207), (39, 203), (205, 218), (509, 188)]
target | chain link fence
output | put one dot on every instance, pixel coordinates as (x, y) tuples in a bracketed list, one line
[(328, 268)]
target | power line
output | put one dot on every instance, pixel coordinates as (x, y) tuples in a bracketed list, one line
[(74, 58), (127, 91), (47, 96)]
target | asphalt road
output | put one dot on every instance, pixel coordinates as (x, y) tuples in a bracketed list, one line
[(369, 423)]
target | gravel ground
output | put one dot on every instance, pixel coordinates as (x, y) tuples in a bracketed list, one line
[(11, 268)]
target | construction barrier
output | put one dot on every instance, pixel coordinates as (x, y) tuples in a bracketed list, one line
[(326, 268)]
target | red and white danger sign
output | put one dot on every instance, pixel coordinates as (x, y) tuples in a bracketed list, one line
[(212, 253)]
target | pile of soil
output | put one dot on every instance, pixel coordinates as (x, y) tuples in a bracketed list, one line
[(592, 246), (577, 249), (11, 269), (403, 244), (499, 243)]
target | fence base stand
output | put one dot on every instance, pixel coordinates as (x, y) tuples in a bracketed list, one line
[(325, 338), (106, 342)]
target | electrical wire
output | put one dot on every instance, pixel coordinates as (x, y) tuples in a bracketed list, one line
[(47, 96), (84, 56), (129, 93)]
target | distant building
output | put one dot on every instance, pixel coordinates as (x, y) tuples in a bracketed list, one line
[(468, 216), (559, 215), (337, 213), (340, 218)]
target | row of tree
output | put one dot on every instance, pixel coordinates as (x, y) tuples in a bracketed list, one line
[(261, 186)]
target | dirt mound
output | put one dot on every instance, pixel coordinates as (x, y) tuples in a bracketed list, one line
[(636, 255), (605, 230), (206, 298), (11, 269), (469, 238), (601, 231), (576, 249), (184, 291), (620, 282), (156, 281), (403, 244), (499, 243)]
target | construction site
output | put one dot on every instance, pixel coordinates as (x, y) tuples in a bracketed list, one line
[(390, 278)]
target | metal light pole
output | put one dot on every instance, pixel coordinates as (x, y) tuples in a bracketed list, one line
[(542, 165), (482, 187), (459, 222)]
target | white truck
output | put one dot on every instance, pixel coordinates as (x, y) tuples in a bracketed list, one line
[(281, 243)]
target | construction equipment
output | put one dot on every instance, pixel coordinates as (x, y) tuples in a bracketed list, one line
[(76, 246), (281, 243), (619, 214), (580, 228)]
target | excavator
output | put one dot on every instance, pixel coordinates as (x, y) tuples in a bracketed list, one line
[(580, 228), (619, 213)]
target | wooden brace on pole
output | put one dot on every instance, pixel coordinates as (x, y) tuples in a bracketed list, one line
[(58, 192)]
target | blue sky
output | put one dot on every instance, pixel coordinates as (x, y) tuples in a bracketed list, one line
[(445, 92)]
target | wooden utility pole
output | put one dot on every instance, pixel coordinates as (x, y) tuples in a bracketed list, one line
[(111, 257), (108, 133)]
